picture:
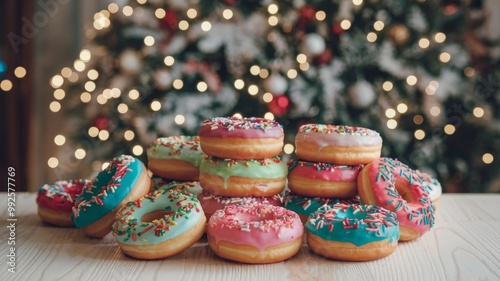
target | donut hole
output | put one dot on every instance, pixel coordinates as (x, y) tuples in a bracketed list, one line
[(155, 215), (404, 189)]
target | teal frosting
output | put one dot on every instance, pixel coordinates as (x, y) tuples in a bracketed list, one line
[(107, 190), (185, 148), (306, 205), (183, 209), (357, 224), (269, 168)]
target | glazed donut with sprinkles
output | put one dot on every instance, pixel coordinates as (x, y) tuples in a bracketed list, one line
[(241, 138), (353, 232), (337, 144), (125, 179), (55, 201)]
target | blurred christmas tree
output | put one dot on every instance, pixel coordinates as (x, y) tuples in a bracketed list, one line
[(157, 68)]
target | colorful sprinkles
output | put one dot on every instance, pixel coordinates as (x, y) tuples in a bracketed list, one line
[(233, 123), (176, 144), (338, 129), (293, 163), (233, 162), (66, 189)]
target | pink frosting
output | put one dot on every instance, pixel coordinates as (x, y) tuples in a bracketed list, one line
[(212, 203), (417, 214), (241, 128), (258, 225), (323, 171)]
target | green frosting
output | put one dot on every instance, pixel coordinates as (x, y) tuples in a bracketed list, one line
[(269, 168), (357, 224), (186, 148)]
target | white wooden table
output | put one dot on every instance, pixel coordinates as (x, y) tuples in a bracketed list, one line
[(463, 245)]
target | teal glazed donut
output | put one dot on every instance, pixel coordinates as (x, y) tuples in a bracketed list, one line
[(160, 224), (304, 206), (125, 179), (353, 232)]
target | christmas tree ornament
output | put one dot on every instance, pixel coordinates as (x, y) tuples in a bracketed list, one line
[(399, 34), (361, 94), (276, 84), (101, 122), (314, 44)]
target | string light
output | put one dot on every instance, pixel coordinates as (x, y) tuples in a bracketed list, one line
[(411, 80), (80, 153), (178, 84), (93, 74), (149, 40), (269, 115), (255, 70), (20, 72), (402, 108), (292, 73), (89, 86), (142, 2), (179, 119), (192, 13), (85, 55), (103, 135), (206, 26), (137, 150), (392, 124), (160, 13), (424, 43), (6, 85), (53, 162), (320, 15), (59, 94), (263, 73), (253, 90), (202, 86), (183, 25), (272, 9), (227, 14), (116, 93), (59, 140), (387, 86), (378, 25), (127, 11), (273, 20), (79, 65), (488, 158), (478, 112), (288, 148), (66, 72), (133, 94), (55, 106), (237, 115), (93, 131), (449, 129), (155, 105), (73, 77), (301, 58), (371, 37), (122, 108), (469, 71), (345, 24), (107, 93), (390, 113), (105, 165), (239, 84), (439, 37), (304, 66), (419, 134), (113, 8), (129, 135), (357, 2), (96, 165), (56, 81), (267, 97), (444, 57), (101, 99)]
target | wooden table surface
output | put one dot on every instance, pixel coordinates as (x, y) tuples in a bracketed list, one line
[(464, 244)]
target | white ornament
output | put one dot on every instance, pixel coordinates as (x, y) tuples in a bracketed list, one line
[(163, 79), (130, 62), (361, 94), (276, 84), (314, 44)]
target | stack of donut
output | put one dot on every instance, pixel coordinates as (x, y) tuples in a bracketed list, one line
[(243, 172), (337, 162)]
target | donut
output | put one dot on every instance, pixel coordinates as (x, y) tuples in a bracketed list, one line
[(55, 201), (161, 184), (211, 203), (430, 185), (159, 225), (241, 178), (176, 157), (125, 179), (323, 179), (304, 206), (352, 232), (256, 233), (241, 138), (337, 144), (390, 184)]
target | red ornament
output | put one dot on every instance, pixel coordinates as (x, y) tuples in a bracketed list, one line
[(279, 105), (169, 21), (307, 13), (337, 29), (324, 57), (101, 122)]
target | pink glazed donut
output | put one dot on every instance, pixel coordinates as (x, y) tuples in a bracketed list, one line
[(392, 185), (241, 138), (255, 233), (211, 203), (322, 179)]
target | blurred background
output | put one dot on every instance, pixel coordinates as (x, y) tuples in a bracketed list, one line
[(84, 81)]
